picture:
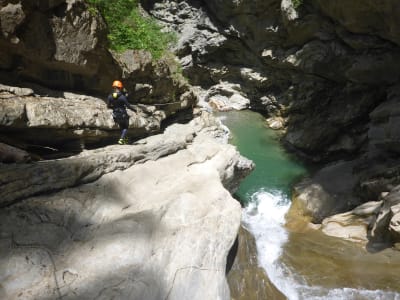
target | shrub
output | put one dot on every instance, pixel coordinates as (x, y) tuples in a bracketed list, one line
[(297, 3), (128, 29)]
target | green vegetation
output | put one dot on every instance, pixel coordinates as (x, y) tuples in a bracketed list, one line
[(297, 3), (128, 29)]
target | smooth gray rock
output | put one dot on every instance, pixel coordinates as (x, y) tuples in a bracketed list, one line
[(67, 116), (328, 192), (158, 229)]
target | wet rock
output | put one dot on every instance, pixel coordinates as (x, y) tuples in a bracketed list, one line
[(247, 280)]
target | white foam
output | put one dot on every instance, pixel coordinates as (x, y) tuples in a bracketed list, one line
[(265, 217)]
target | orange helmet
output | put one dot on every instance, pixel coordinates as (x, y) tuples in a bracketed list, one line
[(117, 84)]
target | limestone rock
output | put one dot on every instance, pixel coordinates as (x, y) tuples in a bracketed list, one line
[(394, 226), (347, 226), (155, 82), (9, 154), (57, 43), (327, 66), (138, 232), (247, 280), (225, 96), (365, 16), (22, 181), (66, 117), (275, 123), (354, 225), (385, 119), (386, 221), (63, 44), (328, 192)]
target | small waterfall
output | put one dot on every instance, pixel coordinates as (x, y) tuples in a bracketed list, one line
[(264, 217), (266, 194)]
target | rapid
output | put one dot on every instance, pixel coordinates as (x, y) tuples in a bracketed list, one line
[(302, 265)]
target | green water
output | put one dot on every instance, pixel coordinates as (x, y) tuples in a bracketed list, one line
[(275, 168), (328, 267)]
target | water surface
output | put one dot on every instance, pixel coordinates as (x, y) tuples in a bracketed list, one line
[(302, 265), (275, 168)]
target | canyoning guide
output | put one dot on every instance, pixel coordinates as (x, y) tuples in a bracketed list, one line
[(118, 101)]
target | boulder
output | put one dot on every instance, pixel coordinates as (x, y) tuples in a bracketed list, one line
[(156, 82), (151, 228), (62, 118), (384, 229), (226, 96), (354, 225), (59, 44), (328, 192), (24, 180)]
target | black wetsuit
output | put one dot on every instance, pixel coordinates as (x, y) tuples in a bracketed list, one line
[(118, 102)]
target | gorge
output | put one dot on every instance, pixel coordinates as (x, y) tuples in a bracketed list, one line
[(156, 219)]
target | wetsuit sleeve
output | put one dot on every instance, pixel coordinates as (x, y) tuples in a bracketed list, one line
[(127, 104), (109, 99)]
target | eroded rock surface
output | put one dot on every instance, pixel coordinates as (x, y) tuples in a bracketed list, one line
[(324, 72), (151, 228), (63, 117)]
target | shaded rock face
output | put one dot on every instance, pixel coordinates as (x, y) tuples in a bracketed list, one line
[(135, 233), (56, 43), (114, 221), (327, 70), (66, 121), (63, 45), (323, 67)]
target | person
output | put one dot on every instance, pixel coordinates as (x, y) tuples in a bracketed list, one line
[(118, 101)]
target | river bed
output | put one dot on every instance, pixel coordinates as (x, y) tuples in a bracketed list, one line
[(302, 265)]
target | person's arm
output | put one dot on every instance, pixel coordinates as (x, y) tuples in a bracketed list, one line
[(127, 104), (109, 99)]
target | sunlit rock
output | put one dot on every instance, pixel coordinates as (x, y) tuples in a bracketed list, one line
[(156, 225), (353, 225)]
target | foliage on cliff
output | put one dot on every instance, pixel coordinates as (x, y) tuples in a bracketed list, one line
[(128, 29), (297, 3)]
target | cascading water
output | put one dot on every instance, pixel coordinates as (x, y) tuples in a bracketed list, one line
[(266, 193)]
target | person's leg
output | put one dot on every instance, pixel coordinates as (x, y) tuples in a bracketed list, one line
[(124, 126), (123, 133)]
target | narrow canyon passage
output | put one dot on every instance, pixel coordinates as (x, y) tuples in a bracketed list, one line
[(302, 265)]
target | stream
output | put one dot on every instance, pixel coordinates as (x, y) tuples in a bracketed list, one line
[(302, 265)]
